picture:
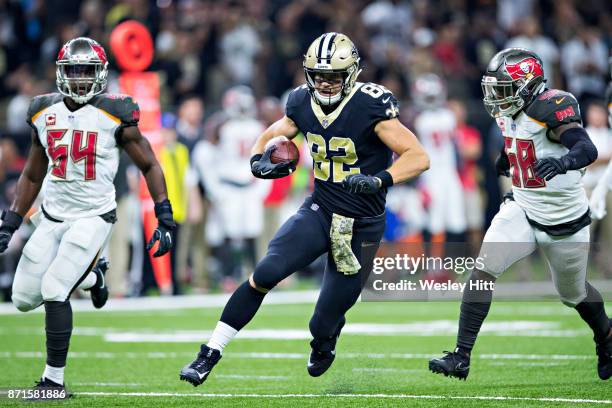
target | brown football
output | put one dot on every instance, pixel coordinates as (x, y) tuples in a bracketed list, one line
[(286, 151)]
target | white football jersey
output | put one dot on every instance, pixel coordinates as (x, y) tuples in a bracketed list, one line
[(82, 150), (236, 138), (561, 199), (436, 131)]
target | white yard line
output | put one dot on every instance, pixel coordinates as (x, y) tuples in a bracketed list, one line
[(351, 396), (291, 356)]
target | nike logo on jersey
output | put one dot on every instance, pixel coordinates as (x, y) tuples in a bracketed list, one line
[(386, 100), (558, 101)]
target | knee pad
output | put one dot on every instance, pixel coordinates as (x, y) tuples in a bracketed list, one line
[(268, 273), (25, 303), (572, 297)]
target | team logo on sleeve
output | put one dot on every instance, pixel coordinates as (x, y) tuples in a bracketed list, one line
[(565, 113), (50, 119)]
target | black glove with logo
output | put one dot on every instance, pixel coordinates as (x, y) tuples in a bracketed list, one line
[(362, 184), (10, 223), (552, 166), (165, 229), (263, 168)]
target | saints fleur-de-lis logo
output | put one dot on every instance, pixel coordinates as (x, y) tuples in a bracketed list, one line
[(393, 111)]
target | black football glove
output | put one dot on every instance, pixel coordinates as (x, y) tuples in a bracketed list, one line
[(263, 168), (552, 166), (502, 165), (362, 184), (164, 233), (10, 223)]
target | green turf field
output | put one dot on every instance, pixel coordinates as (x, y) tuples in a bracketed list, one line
[(533, 354)]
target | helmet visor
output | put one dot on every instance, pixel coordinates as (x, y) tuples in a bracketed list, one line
[(79, 78), (500, 97)]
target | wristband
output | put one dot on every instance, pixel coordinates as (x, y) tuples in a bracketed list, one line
[(255, 157), (163, 208), (11, 220), (386, 180)]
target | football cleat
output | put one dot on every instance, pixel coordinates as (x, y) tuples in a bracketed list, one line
[(454, 364), (99, 291), (604, 358), (197, 372), (47, 390), (319, 361)]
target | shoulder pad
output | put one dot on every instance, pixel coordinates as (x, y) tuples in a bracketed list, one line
[(295, 99), (380, 102), (554, 108), (40, 103), (119, 106)]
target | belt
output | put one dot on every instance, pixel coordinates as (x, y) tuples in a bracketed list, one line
[(110, 217)]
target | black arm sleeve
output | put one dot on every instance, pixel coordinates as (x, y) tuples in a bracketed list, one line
[(582, 150)]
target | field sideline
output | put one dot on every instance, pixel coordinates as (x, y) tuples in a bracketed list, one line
[(531, 354)]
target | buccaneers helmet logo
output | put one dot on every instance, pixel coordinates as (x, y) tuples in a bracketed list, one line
[(526, 68)]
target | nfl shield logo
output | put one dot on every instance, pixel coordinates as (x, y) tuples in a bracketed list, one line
[(325, 123), (513, 127), (50, 119)]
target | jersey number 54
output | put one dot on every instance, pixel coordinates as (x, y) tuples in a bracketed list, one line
[(78, 151)]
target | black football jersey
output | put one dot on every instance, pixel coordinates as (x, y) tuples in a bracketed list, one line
[(343, 142)]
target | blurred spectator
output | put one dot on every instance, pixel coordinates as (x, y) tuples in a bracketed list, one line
[(174, 160), (601, 135), (239, 45), (531, 38), (470, 149), (189, 125), (584, 61), (436, 127), (230, 185)]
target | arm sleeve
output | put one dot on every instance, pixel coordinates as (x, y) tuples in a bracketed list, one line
[(582, 151)]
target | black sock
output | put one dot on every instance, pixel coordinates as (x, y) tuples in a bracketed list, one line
[(58, 325), (475, 306), (592, 311), (242, 306)]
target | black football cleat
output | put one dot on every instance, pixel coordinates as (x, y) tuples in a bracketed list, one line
[(604, 358), (197, 372), (47, 390), (454, 364), (319, 361), (99, 291)]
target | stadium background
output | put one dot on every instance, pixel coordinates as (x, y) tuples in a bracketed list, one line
[(204, 48)]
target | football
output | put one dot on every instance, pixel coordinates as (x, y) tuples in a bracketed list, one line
[(286, 151)]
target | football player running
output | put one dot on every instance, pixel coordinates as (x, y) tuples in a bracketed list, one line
[(77, 135), (546, 150), (352, 130)]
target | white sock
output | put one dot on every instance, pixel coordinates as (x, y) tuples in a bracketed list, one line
[(221, 336), (55, 374), (89, 281)]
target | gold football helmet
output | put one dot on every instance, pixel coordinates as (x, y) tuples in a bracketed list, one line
[(331, 53)]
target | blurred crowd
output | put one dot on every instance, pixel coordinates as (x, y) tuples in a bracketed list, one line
[(225, 68)]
